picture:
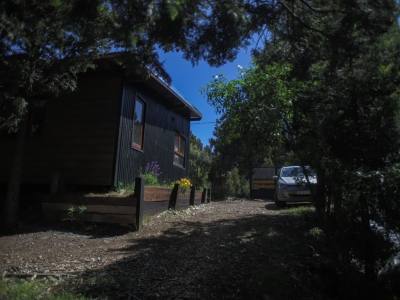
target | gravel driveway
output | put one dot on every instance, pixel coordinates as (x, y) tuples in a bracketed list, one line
[(222, 250)]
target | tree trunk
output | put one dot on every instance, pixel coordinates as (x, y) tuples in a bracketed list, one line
[(11, 206)]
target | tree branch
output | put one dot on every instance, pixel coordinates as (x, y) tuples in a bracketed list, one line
[(318, 10), (300, 20)]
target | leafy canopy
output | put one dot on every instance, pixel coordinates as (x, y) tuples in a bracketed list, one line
[(337, 108), (256, 115), (45, 44)]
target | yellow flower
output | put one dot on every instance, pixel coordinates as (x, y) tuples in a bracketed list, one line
[(184, 183)]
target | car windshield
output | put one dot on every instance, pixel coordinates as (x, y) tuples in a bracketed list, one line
[(296, 172)]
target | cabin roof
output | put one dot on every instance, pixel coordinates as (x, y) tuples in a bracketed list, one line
[(175, 100)]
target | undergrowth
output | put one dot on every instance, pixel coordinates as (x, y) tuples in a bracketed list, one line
[(33, 289)]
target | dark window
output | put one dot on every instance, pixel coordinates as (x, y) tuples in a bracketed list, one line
[(138, 125), (179, 150)]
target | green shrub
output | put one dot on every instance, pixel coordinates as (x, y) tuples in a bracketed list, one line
[(75, 213), (152, 172), (316, 232), (150, 179), (236, 185), (27, 290), (122, 188)]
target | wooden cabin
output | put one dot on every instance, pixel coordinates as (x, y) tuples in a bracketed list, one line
[(105, 132)]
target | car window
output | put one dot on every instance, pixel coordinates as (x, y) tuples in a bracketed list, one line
[(296, 172), (290, 172)]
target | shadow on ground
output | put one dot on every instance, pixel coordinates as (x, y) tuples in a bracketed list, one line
[(91, 230), (263, 256), (273, 206)]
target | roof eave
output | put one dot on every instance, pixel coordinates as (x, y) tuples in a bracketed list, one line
[(195, 114)]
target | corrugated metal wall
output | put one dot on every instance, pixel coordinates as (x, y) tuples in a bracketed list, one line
[(161, 124)]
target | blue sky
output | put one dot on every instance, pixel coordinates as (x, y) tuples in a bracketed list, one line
[(189, 80)]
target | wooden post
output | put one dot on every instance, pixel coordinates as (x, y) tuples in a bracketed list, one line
[(139, 196), (192, 194), (209, 195), (203, 196), (173, 197)]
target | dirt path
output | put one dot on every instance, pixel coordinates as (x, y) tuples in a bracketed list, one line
[(222, 250)]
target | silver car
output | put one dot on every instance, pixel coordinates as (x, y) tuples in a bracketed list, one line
[(292, 185)]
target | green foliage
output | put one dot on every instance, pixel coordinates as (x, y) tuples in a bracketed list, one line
[(27, 290), (75, 213), (316, 232), (389, 207), (37, 35), (45, 44), (255, 112), (150, 179), (331, 72), (125, 188), (236, 185), (82, 209), (231, 184), (151, 174), (345, 125), (199, 162), (71, 212)]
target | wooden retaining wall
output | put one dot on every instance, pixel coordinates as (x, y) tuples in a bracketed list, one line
[(111, 209), (120, 209), (156, 199)]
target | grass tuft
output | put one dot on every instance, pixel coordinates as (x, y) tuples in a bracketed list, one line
[(33, 289), (300, 210)]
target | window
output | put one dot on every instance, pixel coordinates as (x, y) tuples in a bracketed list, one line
[(138, 125), (179, 150), (297, 172)]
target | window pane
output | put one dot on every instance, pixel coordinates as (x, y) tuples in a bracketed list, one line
[(179, 149), (138, 117), (138, 123), (137, 134), (178, 160)]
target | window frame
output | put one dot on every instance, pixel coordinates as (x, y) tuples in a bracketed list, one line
[(134, 145), (178, 153)]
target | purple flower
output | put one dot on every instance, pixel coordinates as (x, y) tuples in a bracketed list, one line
[(153, 168)]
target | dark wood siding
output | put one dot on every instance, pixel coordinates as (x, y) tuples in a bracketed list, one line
[(161, 124), (78, 137)]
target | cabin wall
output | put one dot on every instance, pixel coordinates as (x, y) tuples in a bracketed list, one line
[(161, 124), (77, 137)]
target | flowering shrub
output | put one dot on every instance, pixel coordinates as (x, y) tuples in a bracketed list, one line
[(184, 184), (153, 168), (151, 173)]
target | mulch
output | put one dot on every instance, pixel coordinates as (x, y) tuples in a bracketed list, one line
[(223, 250)]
